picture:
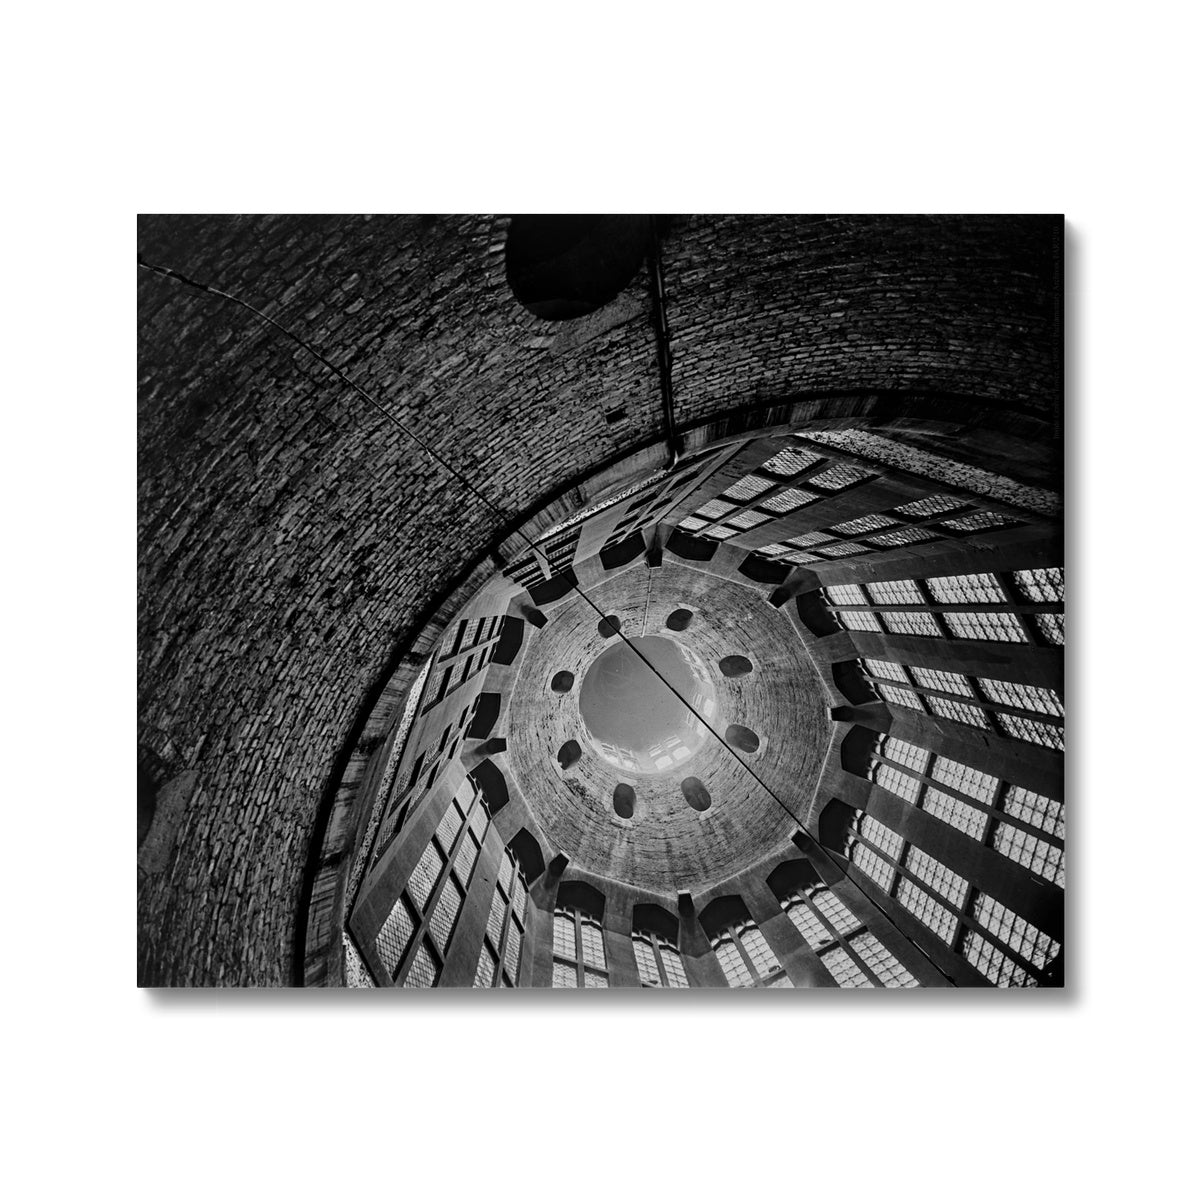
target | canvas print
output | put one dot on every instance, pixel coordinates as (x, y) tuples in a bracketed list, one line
[(576, 601)]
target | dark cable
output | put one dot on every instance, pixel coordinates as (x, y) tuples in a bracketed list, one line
[(453, 471)]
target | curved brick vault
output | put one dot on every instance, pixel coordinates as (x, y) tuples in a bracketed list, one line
[(297, 553)]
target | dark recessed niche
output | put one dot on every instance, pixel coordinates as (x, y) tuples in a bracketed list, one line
[(609, 626), (680, 619), (742, 738), (734, 665), (569, 754), (562, 683), (695, 793), (623, 800), (561, 267)]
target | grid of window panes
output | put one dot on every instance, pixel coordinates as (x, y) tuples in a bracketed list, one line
[(1004, 947), (579, 957), (413, 940), (559, 550), (746, 959), (792, 478), (526, 570), (466, 649), (657, 502), (804, 473), (854, 957), (504, 935), (1017, 710), (1025, 606), (659, 963), (1020, 824)]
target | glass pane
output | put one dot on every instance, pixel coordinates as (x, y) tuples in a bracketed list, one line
[(593, 944), (564, 935), (673, 966), (887, 968), (844, 969), (425, 875), (392, 940), (732, 963), (761, 954), (647, 965), (424, 970)]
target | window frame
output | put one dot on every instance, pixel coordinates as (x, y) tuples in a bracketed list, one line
[(421, 916), (734, 932), (1013, 603), (966, 926), (579, 918), (997, 820)]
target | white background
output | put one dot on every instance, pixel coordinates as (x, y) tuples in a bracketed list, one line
[(1026, 107)]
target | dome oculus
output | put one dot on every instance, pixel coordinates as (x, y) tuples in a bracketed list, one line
[(632, 718)]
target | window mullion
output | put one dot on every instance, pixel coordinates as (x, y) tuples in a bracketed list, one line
[(927, 596), (737, 941), (857, 958), (578, 917), (658, 959)]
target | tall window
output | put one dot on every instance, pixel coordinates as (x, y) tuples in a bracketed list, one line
[(854, 956), (1016, 710), (1025, 606), (1020, 824), (1001, 945), (503, 940), (579, 958), (746, 958), (416, 934), (465, 650), (659, 962)]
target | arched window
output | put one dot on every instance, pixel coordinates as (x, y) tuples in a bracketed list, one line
[(746, 958), (1024, 606), (854, 956), (1016, 710), (1001, 945), (504, 937), (659, 962), (1020, 824), (416, 934), (579, 958)]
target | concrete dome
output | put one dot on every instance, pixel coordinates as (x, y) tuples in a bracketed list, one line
[(667, 847)]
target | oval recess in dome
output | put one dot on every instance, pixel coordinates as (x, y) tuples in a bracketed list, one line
[(680, 619), (740, 737), (623, 800), (609, 626), (569, 753), (734, 665), (695, 793), (562, 683)]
